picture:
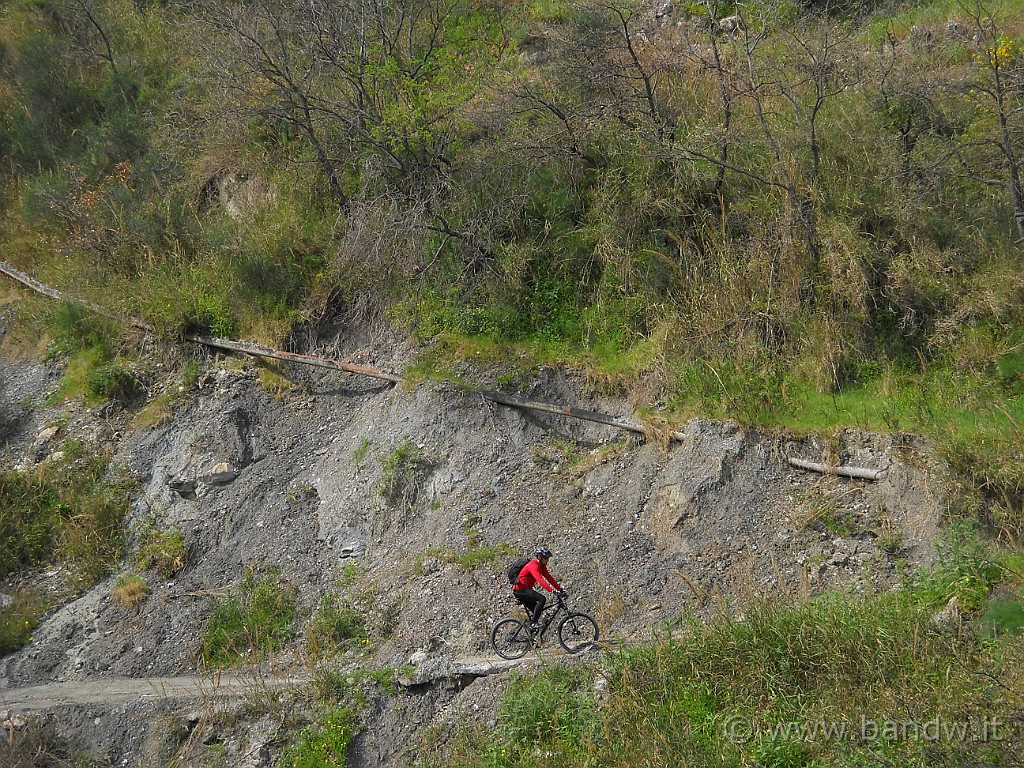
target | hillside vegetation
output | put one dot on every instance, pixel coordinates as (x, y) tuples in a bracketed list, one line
[(813, 219), (810, 216)]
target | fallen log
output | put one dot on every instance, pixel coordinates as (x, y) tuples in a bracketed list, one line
[(258, 350), (856, 472), (561, 410), (568, 410), (53, 293)]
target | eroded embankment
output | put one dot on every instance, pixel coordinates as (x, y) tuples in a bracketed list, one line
[(305, 485)]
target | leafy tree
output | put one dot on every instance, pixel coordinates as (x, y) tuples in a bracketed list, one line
[(991, 85)]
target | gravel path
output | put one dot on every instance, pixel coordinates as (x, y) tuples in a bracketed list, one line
[(114, 690)]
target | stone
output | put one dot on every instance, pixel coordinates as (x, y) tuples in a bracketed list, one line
[(220, 474), (184, 488), (47, 435)]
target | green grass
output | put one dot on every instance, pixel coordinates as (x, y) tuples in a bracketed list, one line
[(95, 370), (474, 556), (335, 626), (774, 685), (91, 375), (70, 509), (361, 451), (27, 508), (19, 620), (341, 685), (74, 329), (554, 710), (251, 621), (324, 744)]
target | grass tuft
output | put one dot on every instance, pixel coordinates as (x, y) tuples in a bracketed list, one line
[(336, 625), (19, 620), (130, 591), (402, 473), (162, 550), (250, 622), (324, 744)]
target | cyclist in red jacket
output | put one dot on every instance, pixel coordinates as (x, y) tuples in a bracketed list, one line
[(533, 573)]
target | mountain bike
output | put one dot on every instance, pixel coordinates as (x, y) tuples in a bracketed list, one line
[(577, 631)]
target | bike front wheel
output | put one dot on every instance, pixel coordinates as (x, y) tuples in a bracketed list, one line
[(577, 632), (511, 639)]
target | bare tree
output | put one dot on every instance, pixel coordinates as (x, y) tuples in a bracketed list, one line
[(614, 72), (84, 24), (823, 66), (909, 101), (765, 79), (382, 90), (271, 71), (790, 80)]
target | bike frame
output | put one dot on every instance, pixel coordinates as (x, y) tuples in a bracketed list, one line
[(547, 616)]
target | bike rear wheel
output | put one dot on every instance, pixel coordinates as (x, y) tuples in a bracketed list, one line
[(511, 639), (577, 632)]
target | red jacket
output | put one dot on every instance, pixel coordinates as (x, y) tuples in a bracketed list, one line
[(535, 573)]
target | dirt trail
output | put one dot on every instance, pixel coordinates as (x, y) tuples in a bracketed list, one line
[(115, 690), (111, 691)]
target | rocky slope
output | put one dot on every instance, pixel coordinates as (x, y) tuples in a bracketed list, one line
[(293, 482)]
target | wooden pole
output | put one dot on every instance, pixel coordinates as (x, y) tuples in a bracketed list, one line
[(53, 293), (258, 350), (857, 472)]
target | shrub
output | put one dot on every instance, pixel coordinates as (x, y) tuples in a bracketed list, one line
[(207, 311), (323, 745), (112, 380), (966, 572), (251, 622), (1005, 614)]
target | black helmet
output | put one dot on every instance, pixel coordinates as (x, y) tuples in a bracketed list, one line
[(542, 552)]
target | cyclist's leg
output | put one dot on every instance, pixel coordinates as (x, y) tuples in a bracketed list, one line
[(532, 601)]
